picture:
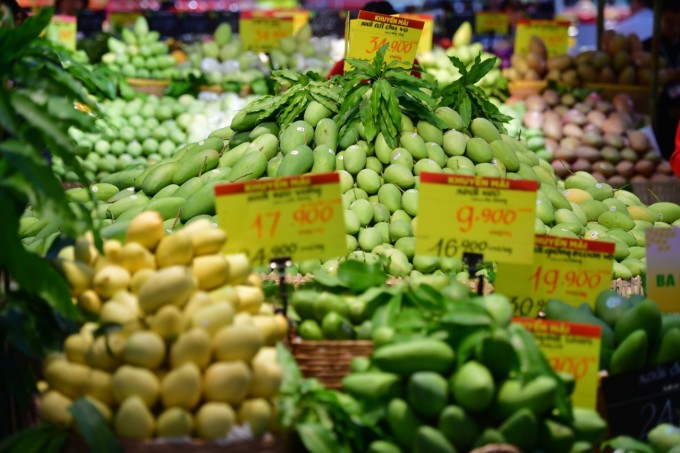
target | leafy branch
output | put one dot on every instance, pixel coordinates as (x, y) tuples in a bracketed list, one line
[(377, 93), (467, 98)]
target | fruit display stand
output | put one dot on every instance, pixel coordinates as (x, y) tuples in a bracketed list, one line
[(328, 361), (523, 88), (639, 94), (652, 191), (148, 86)]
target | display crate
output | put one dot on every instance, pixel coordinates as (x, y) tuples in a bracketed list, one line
[(523, 88), (269, 444), (149, 86), (329, 361), (639, 94), (650, 192)]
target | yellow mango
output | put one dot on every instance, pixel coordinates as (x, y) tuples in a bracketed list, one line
[(175, 249), (146, 229)]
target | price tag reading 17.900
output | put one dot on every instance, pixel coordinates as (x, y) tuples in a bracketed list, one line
[(371, 31), (490, 216), (571, 348), (571, 270), (300, 217)]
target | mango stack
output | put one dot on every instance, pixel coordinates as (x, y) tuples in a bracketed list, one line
[(456, 389), (635, 334), (183, 343)]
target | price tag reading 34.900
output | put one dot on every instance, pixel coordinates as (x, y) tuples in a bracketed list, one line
[(489, 216), (571, 270), (300, 217)]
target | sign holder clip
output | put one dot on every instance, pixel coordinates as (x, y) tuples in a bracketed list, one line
[(473, 261)]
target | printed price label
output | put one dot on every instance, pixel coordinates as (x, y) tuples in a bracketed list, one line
[(663, 267), (570, 348), (491, 22), (571, 270), (64, 30), (553, 33), (299, 217), (300, 17), (490, 216), (122, 19), (640, 400), (262, 31), (371, 31), (425, 44)]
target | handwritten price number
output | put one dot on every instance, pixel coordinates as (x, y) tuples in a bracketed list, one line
[(525, 307), (262, 258), (467, 216), (265, 35), (577, 367), (449, 248), (395, 46), (305, 216), (650, 410), (577, 279)]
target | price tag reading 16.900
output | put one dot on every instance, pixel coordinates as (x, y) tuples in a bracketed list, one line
[(490, 216), (572, 270), (299, 217)]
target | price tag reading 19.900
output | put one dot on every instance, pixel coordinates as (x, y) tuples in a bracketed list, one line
[(371, 31), (300, 217), (571, 348), (571, 270)]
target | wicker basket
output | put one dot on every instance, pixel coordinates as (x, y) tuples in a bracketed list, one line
[(523, 88), (267, 445), (496, 448), (212, 88), (327, 360), (650, 192), (149, 86)]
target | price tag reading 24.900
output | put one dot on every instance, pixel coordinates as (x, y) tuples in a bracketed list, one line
[(571, 348), (299, 217), (571, 270), (371, 31), (490, 216)]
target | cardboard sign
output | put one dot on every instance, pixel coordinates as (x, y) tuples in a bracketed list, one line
[(300, 217), (300, 17), (491, 22), (553, 33), (489, 216), (64, 30), (260, 31), (663, 267), (425, 44), (571, 270), (640, 400), (371, 31), (571, 348)]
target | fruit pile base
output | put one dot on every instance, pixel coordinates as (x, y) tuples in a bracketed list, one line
[(650, 192), (329, 361), (269, 444), (149, 86)]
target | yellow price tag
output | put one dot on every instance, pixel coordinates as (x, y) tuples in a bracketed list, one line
[(300, 17), (490, 216), (570, 348), (553, 33), (663, 267), (63, 30), (122, 19), (263, 31), (571, 270), (300, 217), (425, 44), (491, 22), (371, 31)]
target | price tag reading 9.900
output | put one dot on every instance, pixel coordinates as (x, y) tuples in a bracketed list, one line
[(297, 217), (489, 216)]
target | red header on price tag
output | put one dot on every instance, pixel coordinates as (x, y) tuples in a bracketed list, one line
[(289, 182), (576, 244), (480, 181), (391, 20)]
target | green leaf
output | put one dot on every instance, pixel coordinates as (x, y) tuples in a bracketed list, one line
[(359, 276), (38, 118), (370, 128), (468, 346), (466, 314), (461, 68), (43, 438), (318, 439), (328, 280), (8, 119), (292, 377), (362, 67), (385, 315), (92, 426), (12, 44), (480, 68), (464, 107), (627, 444)]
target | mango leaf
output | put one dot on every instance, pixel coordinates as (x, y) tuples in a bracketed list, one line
[(92, 426), (464, 107), (359, 276), (318, 439), (385, 315), (480, 68), (627, 444), (292, 377), (43, 438), (12, 44), (467, 348)]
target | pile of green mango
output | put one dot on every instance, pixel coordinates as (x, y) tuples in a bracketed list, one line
[(635, 333), (140, 54), (456, 385)]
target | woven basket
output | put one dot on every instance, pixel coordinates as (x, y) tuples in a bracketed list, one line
[(523, 88), (496, 448), (212, 88), (650, 192), (328, 360), (267, 445), (149, 86)]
